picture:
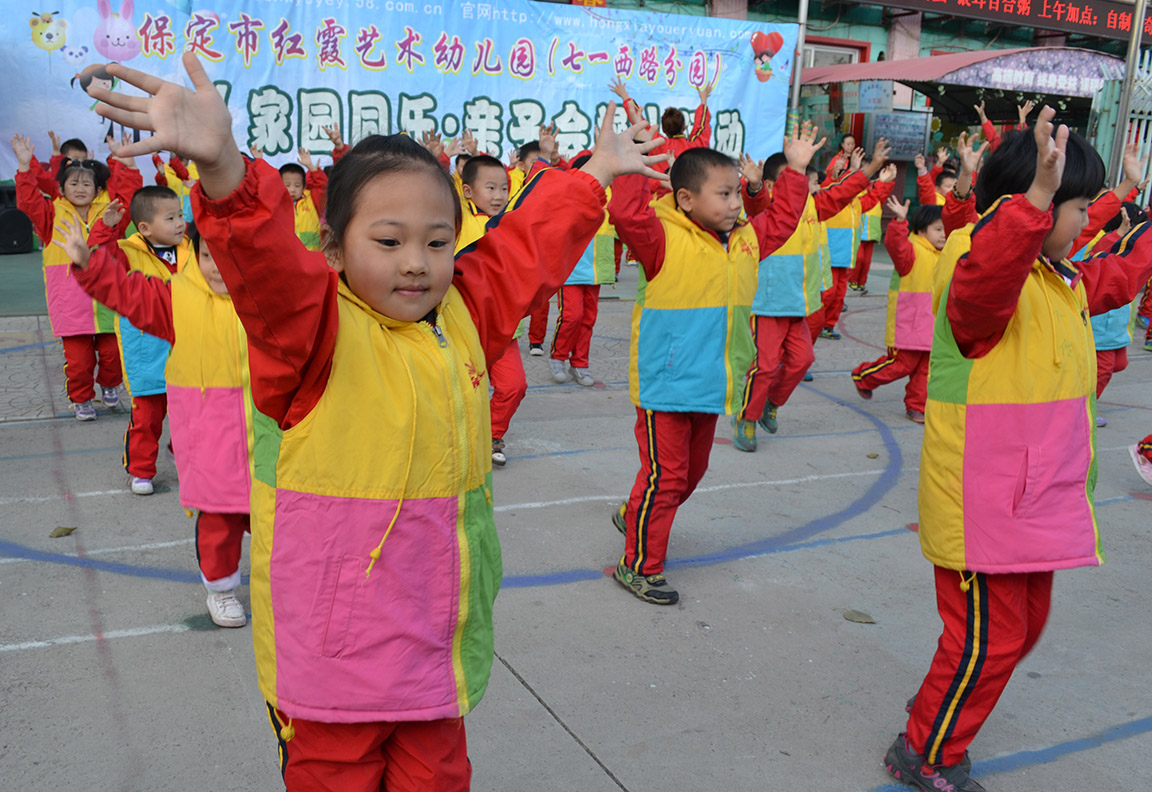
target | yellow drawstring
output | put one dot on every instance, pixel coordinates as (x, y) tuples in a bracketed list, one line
[(375, 554), (966, 584), (287, 732)]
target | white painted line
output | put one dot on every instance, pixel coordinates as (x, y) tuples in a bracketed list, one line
[(713, 488), (47, 498), (76, 639), (112, 550)]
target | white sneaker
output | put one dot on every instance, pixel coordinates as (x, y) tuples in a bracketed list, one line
[(110, 397), (559, 375), (86, 411), (1143, 466), (141, 486), (226, 610), (536, 350), (582, 377)]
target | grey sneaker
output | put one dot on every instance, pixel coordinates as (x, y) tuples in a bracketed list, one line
[(582, 377), (768, 419), (86, 411), (110, 397), (913, 769), (559, 374), (650, 588), (498, 458)]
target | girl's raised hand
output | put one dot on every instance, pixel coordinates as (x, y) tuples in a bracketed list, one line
[(1051, 143), (305, 158), (194, 123), (801, 146), (431, 141), (857, 158), (255, 151), (453, 148), (970, 156), (55, 142), (1024, 110), (547, 142), (1125, 223), (921, 164), (22, 147), (897, 208), (753, 172), (619, 154), (469, 142), (980, 111), (74, 243), (618, 88), (113, 213), (333, 133), (888, 172)]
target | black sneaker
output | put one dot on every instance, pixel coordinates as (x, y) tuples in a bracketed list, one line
[(831, 333), (914, 770), (650, 588), (536, 350), (618, 519)]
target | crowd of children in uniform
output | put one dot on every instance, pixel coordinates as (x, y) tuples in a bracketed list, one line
[(324, 344)]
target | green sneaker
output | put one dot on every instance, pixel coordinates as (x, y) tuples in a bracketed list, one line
[(1148, 345), (650, 588), (768, 419), (743, 434), (618, 519)]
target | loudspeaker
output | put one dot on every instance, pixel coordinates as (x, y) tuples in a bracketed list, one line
[(15, 232)]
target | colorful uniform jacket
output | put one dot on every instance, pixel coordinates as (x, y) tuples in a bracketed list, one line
[(1009, 461), (910, 320), (597, 264), (926, 192), (309, 208), (375, 559), (210, 413), (71, 311), (871, 230), (691, 339), (844, 227), (1112, 330)]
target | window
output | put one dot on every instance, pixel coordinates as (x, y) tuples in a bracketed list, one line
[(829, 55)]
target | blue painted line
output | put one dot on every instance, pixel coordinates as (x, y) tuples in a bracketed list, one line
[(1120, 499), (6, 350), (1023, 759)]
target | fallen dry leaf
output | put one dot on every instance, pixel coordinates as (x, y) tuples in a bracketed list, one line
[(61, 530), (860, 617)]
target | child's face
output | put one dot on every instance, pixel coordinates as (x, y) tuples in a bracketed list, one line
[(946, 185), (1071, 218), (73, 154), (527, 163), (166, 228), (295, 184), (716, 205), (934, 233), (80, 188), (813, 184), (489, 190), (397, 251), (209, 269)]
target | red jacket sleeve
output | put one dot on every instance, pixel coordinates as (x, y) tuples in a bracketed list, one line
[(444, 160), (987, 282), (340, 151), (33, 203), (284, 294), (1100, 211), (1114, 277), (774, 226), (877, 194), (831, 200), (178, 168), (701, 134), (630, 211), (122, 185), (46, 178), (756, 203), (317, 182), (528, 253), (935, 171), (899, 247), (991, 135), (956, 213), (925, 190), (145, 301)]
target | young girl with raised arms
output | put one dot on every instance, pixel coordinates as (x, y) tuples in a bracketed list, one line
[(375, 559)]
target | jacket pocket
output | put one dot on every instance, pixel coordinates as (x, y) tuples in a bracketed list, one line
[(1027, 482), (338, 602)]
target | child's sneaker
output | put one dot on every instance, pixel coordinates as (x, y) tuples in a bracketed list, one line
[(226, 610), (808, 376), (1101, 421), (85, 411), (915, 416), (582, 377), (914, 770), (1143, 465), (141, 486), (110, 397), (498, 458), (1148, 345), (853, 286), (768, 418), (618, 518), (536, 350), (830, 332), (1142, 320), (862, 392), (559, 374), (743, 434), (650, 588)]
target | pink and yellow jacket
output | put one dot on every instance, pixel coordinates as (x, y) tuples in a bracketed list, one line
[(1009, 457), (910, 320), (375, 558)]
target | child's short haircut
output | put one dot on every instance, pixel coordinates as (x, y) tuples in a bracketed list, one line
[(1010, 170), (292, 167), (193, 234), (74, 144), (944, 174), (462, 158), (773, 165), (1134, 212), (98, 169), (529, 148), (378, 155), (812, 170), (580, 161), (146, 202), (923, 216), (691, 169), (472, 167), (672, 122)]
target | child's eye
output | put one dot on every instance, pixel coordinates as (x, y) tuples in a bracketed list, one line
[(388, 242), (438, 243)]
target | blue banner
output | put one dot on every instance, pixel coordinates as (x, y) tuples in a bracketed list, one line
[(289, 67)]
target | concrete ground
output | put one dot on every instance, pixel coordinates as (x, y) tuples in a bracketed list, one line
[(113, 678)]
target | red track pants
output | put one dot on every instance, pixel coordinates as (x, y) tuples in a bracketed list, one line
[(142, 440), (1109, 362), (538, 325), (81, 354), (1146, 304), (509, 384), (219, 543), (859, 273), (674, 451), (910, 363), (815, 322), (413, 756), (783, 354), (988, 629), (577, 306), (833, 298)]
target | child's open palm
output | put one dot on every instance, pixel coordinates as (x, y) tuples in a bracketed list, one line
[(1134, 167), (113, 213), (857, 158), (752, 171), (305, 158), (801, 146), (897, 208), (970, 156), (547, 141), (22, 147), (74, 243), (888, 173), (1051, 143), (617, 154)]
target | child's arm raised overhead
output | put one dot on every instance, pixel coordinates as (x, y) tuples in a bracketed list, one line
[(789, 194), (831, 200), (701, 132), (756, 199), (1107, 205), (1113, 278), (285, 296), (896, 240), (881, 189), (29, 199)]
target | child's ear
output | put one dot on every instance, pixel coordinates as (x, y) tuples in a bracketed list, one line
[(684, 198), (467, 190), (330, 249)]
